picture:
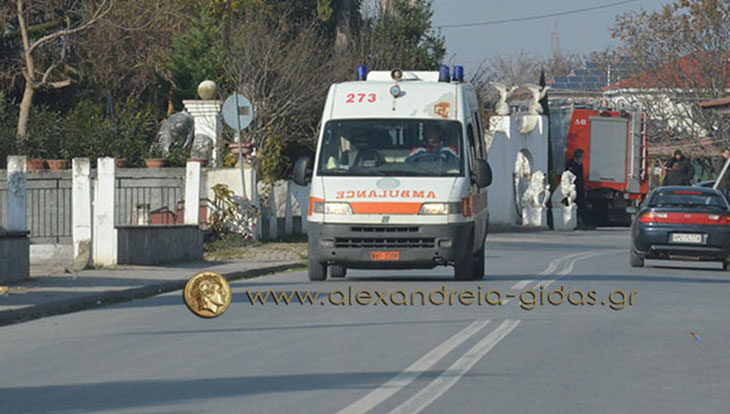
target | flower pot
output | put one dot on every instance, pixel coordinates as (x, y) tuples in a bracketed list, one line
[(155, 162), (120, 162), (246, 148), (203, 161), (57, 164), (35, 164)]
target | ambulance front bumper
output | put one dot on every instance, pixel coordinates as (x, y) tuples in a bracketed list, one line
[(367, 246)]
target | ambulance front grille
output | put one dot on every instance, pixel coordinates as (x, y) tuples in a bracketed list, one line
[(385, 243), (386, 229)]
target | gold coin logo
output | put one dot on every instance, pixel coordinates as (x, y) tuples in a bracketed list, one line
[(207, 294)]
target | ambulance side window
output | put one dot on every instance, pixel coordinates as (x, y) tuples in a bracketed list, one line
[(472, 147), (481, 150)]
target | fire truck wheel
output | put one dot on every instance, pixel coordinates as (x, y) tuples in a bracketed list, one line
[(337, 271), (316, 271)]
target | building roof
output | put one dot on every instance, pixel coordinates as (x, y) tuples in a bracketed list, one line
[(716, 103), (686, 71)]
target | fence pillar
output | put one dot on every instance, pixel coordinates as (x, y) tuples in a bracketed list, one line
[(81, 211), (289, 218), (192, 192), (273, 220), (17, 194), (105, 235)]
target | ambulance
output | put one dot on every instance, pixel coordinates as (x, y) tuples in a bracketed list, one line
[(400, 176)]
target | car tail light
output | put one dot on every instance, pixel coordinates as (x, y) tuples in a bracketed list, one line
[(652, 217), (685, 218)]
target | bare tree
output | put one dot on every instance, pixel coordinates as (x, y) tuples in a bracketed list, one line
[(44, 55), (519, 69), (681, 57)]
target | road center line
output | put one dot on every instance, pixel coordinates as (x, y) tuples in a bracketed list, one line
[(448, 378), (400, 381), (552, 267), (571, 265)]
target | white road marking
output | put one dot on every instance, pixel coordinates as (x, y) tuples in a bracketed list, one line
[(571, 264), (448, 378), (397, 383), (552, 266)]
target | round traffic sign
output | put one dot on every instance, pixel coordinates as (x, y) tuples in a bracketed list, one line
[(237, 112)]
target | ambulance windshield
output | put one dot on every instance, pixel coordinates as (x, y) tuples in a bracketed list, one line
[(379, 147)]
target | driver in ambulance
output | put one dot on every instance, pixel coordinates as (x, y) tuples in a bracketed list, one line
[(433, 149)]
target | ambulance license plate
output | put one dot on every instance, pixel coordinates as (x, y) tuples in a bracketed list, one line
[(384, 256)]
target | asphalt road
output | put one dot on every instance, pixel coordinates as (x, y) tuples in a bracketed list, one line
[(665, 352)]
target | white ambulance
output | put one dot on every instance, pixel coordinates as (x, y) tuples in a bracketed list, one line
[(399, 177)]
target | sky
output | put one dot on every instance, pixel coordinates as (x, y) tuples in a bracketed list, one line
[(579, 33)]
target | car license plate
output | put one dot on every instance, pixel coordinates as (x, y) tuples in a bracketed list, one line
[(384, 256), (688, 238)]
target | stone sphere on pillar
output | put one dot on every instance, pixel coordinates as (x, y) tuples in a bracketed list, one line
[(206, 90)]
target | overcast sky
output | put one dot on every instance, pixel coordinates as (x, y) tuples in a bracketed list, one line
[(579, 33)]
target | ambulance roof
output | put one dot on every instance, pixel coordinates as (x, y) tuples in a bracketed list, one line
[(420, 96)]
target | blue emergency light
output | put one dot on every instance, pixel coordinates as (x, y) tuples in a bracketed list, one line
[(444, 75), (362, 73), (458, 73)]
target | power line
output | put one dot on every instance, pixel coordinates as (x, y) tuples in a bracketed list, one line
[(537, 17)]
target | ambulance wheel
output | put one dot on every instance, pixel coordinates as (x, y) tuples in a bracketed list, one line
[(337, 271), (464, 269), (316, 271), (479, 265)]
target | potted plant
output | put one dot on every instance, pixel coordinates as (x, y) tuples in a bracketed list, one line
[(60, 163), (155, 159)]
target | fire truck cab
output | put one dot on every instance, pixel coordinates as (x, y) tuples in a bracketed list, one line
[(399, 177)]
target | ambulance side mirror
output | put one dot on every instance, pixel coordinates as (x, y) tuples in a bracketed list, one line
[(303, 171), (483, 174)]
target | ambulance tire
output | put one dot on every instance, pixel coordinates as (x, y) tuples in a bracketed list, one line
[(337, 271), (464, 269), (479, 265), (316, 271)]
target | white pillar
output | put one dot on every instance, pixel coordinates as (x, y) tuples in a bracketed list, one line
[(81, 211), (273, 220), (105, 235), (192, 192), (289, 218), (207, 121), (17, 194)]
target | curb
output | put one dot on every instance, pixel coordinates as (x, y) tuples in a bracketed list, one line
[(101, 299)]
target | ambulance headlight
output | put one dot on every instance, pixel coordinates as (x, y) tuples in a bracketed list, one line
[(337, 208), (439, 208), (396, 74)]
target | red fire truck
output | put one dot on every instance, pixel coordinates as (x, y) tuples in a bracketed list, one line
[(614, 161)]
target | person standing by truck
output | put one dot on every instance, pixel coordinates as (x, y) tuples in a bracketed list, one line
[(679, 170), (575, 165)]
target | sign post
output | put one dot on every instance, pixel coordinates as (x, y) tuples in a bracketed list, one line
[(238, 113)]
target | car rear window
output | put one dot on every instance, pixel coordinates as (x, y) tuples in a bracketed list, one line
[(687, 197)]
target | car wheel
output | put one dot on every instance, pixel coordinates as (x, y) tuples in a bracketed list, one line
[(337, 271), (634, 259), (316, 271)]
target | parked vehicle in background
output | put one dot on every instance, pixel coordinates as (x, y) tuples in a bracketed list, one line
[(615, 157), (682, 223)]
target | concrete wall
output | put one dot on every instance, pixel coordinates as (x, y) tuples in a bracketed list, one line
[(14, 257), (152, 245), (506, 144)]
